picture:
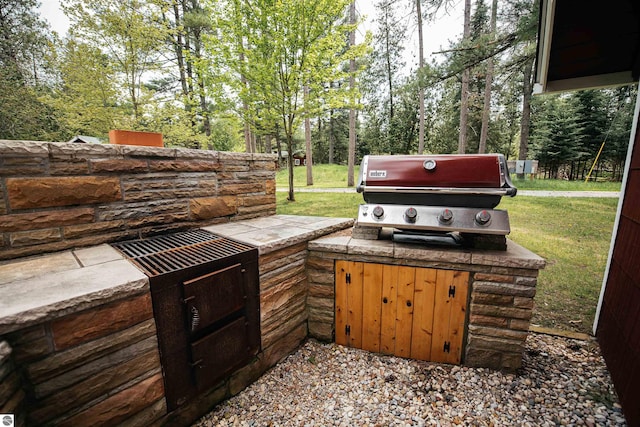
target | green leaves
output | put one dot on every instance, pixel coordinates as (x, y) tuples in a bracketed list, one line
[(130, 33), (271, 49)]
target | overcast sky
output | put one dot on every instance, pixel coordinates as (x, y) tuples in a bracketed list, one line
[(50, 10), (447, 26)]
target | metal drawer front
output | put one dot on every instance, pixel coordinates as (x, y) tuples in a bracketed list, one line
[(219, 353), (214, 296)]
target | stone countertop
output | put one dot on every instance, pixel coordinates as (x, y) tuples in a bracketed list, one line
[(41, 288), (515, 256), (275, 232), (44, 287)]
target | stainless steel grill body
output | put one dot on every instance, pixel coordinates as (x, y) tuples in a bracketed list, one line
[(435, 193)]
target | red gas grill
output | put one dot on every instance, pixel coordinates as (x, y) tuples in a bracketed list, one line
[(437, 199)]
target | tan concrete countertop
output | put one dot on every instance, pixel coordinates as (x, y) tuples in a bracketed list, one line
[(44, 287), (275, 232), (515, 256), (41, 288)]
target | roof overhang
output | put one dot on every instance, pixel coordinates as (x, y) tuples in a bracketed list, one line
[(587, 44)]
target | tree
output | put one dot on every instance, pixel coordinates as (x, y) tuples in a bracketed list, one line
[(621, 113), (129, 32), (24, 41), (383, 81), (188, 21), (405, 124), (568, 132), (445, 127), (555, 133), (86, 99), (420, 70), (515, 35), (387, 57), (23, 115), (486, 109), (464, 91), (474, 46), (352, 86), (523, 16), (331, 137), (287, 45), (24, 74), (307, 139)]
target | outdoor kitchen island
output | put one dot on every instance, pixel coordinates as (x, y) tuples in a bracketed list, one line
[(451, 305), (78, 341)]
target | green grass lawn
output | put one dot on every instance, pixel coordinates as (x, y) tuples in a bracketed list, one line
[(561, 230), (324, 176), (564, 232), (561, 185)]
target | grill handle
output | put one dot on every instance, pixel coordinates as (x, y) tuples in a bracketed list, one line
[(503, 191), (195, 318), (194, 314)]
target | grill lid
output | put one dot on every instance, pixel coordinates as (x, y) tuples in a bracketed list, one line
[(461, 180), (176, 251)]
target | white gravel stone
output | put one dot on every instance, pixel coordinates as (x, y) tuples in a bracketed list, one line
[(562, 382)]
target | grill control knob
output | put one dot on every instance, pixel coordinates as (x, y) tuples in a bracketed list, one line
[(483, 217), (429, 164), (446, 216), (410, 215), (378, 212)]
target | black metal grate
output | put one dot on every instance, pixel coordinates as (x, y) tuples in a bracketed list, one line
[(172, 252)]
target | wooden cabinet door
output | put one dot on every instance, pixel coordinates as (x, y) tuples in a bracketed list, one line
[(450, 305), (411, 312), (423, 299)]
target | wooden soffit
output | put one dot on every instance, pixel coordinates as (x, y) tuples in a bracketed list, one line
[(587, 44)]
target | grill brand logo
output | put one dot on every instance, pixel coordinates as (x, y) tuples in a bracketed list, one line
[(377, 174), (7, 420)]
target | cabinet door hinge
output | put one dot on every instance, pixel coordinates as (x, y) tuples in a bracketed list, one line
[(347, 330), (348, 278), (452, 291), (447, 347)]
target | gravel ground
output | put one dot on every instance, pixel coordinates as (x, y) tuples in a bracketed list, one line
[(562, 382)]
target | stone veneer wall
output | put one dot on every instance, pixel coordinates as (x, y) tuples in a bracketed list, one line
[(56, 196), (283, 293), (95, 367), (101, 366), (501, 296)]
